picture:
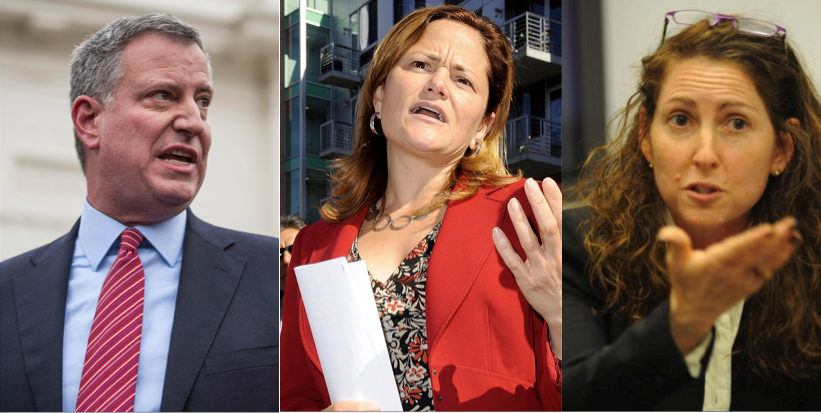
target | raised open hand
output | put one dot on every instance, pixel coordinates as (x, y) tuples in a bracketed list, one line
[(540, 276), (706, 283)]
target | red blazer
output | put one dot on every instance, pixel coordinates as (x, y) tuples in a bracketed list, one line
[(487, 348)]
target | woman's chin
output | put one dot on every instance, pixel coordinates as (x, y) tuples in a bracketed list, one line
[(706, 222), (427, 148)]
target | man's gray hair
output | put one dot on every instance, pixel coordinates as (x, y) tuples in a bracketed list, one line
[(96, 68), (291, 221)]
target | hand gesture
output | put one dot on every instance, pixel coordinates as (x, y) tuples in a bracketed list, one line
[(540, 276), (706, 283)]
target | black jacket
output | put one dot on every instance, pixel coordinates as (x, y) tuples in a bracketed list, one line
[(611, 364)]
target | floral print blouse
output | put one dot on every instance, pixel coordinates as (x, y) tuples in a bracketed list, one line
[(401, 305)]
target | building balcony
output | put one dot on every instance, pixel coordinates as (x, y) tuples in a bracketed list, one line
[(534, 145), (339, 66), (536, 43), (335, 139)]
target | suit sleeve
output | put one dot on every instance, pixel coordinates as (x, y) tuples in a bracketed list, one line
[(636, 369), (298, 386)]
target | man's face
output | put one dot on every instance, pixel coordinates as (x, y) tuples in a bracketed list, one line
[(286, 239), (154, 137)]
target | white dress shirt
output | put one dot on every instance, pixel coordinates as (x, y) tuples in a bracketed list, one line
[(718, 377), (95, 250)]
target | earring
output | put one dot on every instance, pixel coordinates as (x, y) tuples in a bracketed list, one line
[(650, 164), (476, 151), (373, 124), (776, 172)]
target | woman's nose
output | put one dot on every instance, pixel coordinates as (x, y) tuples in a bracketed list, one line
[(437, 85), (706, 156)]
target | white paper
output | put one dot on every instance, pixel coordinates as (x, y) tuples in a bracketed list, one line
[(348, 333)]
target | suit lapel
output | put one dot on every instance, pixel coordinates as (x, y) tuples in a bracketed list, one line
[(208, 279), (462, 247), (40, 299)]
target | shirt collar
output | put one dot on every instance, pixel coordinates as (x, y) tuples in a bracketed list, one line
[(99, 232)]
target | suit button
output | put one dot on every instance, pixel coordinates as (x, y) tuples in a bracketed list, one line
[(440, 398), (434, 371)]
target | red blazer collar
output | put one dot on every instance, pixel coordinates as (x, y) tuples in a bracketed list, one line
[(462, 247)]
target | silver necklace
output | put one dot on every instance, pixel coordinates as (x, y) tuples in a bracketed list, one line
[(391, 221)]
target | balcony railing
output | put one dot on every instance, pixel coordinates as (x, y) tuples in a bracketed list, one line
[(532, 31), (335, 138), (339, 58), (529, 134), (339, 66)]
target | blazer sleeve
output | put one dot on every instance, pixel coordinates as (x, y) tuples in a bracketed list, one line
[(548, 369), (608, 369), (298, 385)]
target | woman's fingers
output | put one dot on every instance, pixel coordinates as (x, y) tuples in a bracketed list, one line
[(741, 250), (778, 248), (679, 247), (547, 207), (763, 249), (539, 283), (554, 198), (506, 251), (526, 236), (539, 275)]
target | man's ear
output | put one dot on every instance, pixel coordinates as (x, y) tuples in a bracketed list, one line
[(484, 128), (644, 140), (378, 95), (85, 114), (784, 150)]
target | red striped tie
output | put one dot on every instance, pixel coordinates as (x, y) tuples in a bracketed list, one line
[(110, 371)]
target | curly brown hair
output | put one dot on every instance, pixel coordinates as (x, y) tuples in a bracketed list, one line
[(361, 178), (627, 264)]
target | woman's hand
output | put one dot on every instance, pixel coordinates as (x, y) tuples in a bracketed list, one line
[(706, 283), (540, 277), (352, 407)]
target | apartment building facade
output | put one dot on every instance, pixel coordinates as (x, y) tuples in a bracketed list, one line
[(326, 48)]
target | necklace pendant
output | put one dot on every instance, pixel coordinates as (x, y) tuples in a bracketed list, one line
[(408, 217), (376, 209), (387, 224)]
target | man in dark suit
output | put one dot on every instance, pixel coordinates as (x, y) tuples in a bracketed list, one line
[(141, 306)]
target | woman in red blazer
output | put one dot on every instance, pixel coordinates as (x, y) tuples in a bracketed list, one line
[(487, 348), (469, 326)]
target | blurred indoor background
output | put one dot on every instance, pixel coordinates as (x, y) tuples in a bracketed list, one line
[(605, 40)]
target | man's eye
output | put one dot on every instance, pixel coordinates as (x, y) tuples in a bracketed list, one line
[(204, 102), (161, 96)]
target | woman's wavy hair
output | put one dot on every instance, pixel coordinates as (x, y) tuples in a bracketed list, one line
[(627, 267), (361, 178)]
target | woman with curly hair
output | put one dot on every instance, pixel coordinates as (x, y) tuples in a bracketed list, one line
[(693, 267)]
